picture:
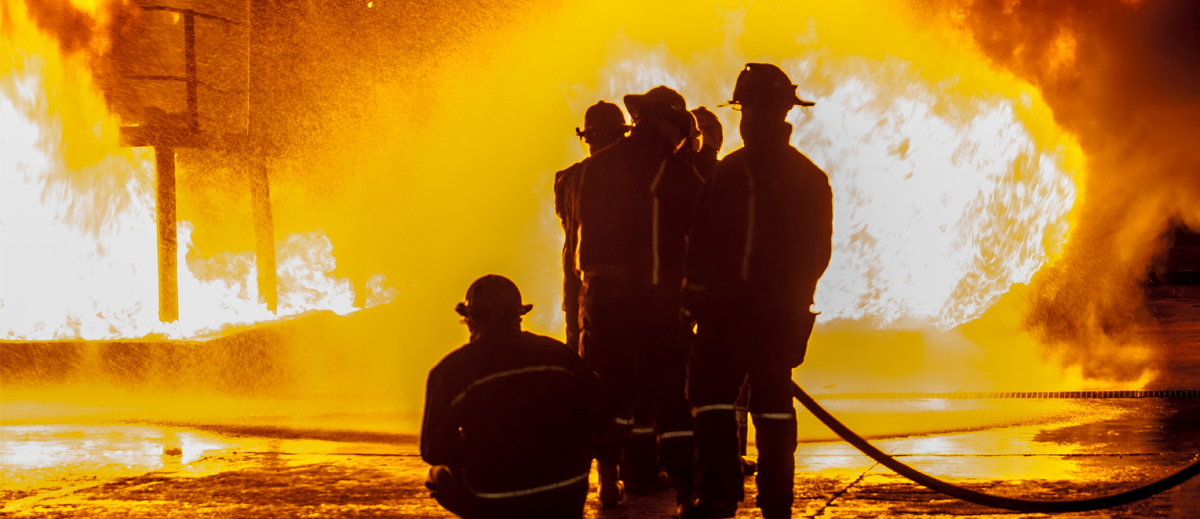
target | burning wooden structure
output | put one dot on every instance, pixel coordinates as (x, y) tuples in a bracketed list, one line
[(185, 74)]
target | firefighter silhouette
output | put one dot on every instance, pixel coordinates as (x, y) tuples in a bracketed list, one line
[(603, 125), (760, 239), (511, 418), (634, 203)]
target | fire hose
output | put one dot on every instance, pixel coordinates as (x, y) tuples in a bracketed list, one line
[(1008, 503)]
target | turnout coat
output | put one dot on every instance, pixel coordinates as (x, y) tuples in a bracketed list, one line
[(761, 237), (511, 413), (634, 207)]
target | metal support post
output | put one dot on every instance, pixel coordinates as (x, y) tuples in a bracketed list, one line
[(168, 246), (264, 232)]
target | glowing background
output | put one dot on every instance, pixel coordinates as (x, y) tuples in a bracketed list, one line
[(419, 141)]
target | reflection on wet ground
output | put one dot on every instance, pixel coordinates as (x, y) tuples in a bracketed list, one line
[(156, 455), (1047, 449)]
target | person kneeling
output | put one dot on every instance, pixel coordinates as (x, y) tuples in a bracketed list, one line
[(511, 417)]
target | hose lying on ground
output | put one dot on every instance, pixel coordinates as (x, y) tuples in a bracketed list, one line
[(1020, 505)]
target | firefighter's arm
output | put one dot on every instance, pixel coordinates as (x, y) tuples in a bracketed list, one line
[(562, 181), (824, 228), (437, 447)]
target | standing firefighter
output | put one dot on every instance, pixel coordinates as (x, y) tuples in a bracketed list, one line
[(634, 204), (603, 126), (760, 240), (511, 417)]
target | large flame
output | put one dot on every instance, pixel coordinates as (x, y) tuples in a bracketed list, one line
[(424, 141), (1125, 77), (79, 237), (952, 183), (943, 199)]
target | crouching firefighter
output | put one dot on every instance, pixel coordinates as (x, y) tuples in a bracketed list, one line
[(635, 201), (760, 240), (511, 417)]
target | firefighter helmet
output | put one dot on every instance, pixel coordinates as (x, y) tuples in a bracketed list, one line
[(602, 117), (495, 296), (764, 84), (663, 103)]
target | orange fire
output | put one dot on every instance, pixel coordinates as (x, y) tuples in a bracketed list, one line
[(429, 157), (78, 226)]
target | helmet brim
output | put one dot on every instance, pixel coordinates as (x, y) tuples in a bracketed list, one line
[(796, 101), (465, 310)]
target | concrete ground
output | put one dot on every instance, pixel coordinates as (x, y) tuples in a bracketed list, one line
[(1042, 448), (1090, 447)]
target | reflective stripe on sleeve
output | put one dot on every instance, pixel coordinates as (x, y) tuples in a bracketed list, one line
[(675, 434), (509, 373), (714, 407), (773, 416), (622, 421), (535, 490), (643, 430)]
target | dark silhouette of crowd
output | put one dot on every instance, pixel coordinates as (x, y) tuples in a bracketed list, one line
[(688, 283)]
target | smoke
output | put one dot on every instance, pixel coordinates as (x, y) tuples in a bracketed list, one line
[(39, 82), (72, 27), (86, 32), (1124, 76)]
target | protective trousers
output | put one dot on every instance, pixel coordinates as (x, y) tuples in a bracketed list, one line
[(724, 355), (640, 467), (632, 337)]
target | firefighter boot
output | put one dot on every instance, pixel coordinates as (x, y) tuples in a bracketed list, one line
[(719, 479), (702, 509), (612, 490), (677, 452), (749, 466), (640, 470), (776, 439)]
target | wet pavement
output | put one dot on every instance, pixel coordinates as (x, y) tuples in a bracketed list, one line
[(65, 457), (1066, 449)]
